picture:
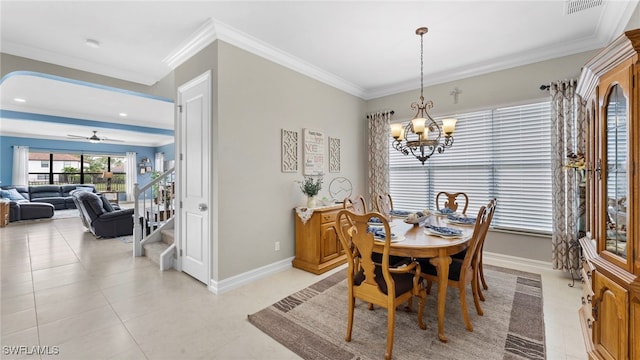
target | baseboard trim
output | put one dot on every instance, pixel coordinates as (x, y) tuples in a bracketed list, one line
[(219, 287), (514, 262)]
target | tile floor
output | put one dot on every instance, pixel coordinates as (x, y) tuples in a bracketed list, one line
[(90, 299)]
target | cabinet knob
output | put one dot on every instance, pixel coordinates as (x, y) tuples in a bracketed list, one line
[(588, 299), (589, 323), (582, 299)]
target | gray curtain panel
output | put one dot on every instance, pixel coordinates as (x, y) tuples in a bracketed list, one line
[(567, 136)]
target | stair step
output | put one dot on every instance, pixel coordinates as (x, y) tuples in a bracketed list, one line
[(154, 250), (168, 236)]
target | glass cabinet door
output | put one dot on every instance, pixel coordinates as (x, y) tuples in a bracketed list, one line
[(616, 187)]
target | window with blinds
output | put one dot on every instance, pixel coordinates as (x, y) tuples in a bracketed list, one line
[(503, 153)]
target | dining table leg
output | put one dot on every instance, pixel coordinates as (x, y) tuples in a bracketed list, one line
[(442, 266)]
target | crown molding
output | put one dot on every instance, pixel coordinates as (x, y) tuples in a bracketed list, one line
[(513, 60), (201, 38), (213, 30)]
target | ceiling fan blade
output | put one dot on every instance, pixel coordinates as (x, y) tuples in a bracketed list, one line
[(76, 136), (110, 139)]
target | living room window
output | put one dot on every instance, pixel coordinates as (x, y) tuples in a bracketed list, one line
[(69, 168), (503, 153)]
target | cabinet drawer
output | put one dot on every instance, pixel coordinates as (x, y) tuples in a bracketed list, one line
[(328, 217)]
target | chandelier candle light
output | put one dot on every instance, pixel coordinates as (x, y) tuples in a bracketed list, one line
[(422, 136)]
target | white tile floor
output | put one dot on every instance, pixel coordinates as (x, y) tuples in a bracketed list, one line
[(90, 299)]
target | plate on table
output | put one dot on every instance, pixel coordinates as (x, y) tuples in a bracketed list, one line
[(374, 221), (399, 213), (446, 212), (442, 231), (379, 234), (461, 220)]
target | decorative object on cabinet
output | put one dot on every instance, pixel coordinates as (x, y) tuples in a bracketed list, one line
[(340, 188), (334, 155), (610, 315), (318, 248), (311, 186), (289, 145), (423, 136), (313, 153)]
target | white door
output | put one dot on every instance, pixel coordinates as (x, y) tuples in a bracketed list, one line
[(194, 99)]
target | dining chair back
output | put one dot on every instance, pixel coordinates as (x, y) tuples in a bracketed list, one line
[(376, 282), (480, 269), (464, 271), (358, 204), (451, 201), (384, 204)]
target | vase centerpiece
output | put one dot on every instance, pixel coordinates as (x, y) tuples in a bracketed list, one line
[(311, 187)]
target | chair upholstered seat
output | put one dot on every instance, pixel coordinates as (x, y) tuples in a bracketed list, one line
[(455, 268), (402, 282)]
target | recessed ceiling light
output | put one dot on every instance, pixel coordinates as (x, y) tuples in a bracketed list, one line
[(92, 43), (20, 100), (123, 114)]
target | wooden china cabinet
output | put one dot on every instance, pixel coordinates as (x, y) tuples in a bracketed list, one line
[(610, 314)]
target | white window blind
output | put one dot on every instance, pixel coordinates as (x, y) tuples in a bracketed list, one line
[(503, 153)]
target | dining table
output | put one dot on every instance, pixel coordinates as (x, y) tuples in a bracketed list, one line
[(414, 241)]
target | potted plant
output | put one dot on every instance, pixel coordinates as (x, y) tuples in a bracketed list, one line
[(311, 187)]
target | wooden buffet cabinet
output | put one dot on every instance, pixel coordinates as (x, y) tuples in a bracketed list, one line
[(318, 248), (610, 314)]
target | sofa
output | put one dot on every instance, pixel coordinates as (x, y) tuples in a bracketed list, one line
[(39, 201), (99, 216)]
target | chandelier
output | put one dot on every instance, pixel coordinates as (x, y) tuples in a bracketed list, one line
[(423, 136)]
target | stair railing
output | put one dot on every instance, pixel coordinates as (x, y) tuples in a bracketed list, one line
[(153, 209)]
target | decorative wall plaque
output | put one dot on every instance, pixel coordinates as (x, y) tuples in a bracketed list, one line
[(313, 152), (289, 151), (334, 155)]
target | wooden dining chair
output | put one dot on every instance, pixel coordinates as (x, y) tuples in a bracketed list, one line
[(373, 282), (463, 272), (480, 269), (451, 201), (481, 251), (384, 204)]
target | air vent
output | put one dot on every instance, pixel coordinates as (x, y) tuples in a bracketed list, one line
[(574, 6)]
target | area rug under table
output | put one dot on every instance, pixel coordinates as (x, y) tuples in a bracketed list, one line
[(312, 323)]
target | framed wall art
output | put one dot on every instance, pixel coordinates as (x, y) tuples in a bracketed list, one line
[(334, 155), (289, 144), (313, 152)]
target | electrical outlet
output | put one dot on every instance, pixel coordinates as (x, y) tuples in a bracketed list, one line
[(277, 246)]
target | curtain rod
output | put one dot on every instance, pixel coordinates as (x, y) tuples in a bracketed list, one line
[(391, 112)]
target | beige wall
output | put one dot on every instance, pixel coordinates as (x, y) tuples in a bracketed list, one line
[(255, 99), (506, 87)]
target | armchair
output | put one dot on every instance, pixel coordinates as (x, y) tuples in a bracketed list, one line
[(100, 218)]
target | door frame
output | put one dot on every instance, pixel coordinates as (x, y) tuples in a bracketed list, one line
[(212, 193)]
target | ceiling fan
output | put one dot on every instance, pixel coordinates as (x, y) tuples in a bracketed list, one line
[(94, 138)]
